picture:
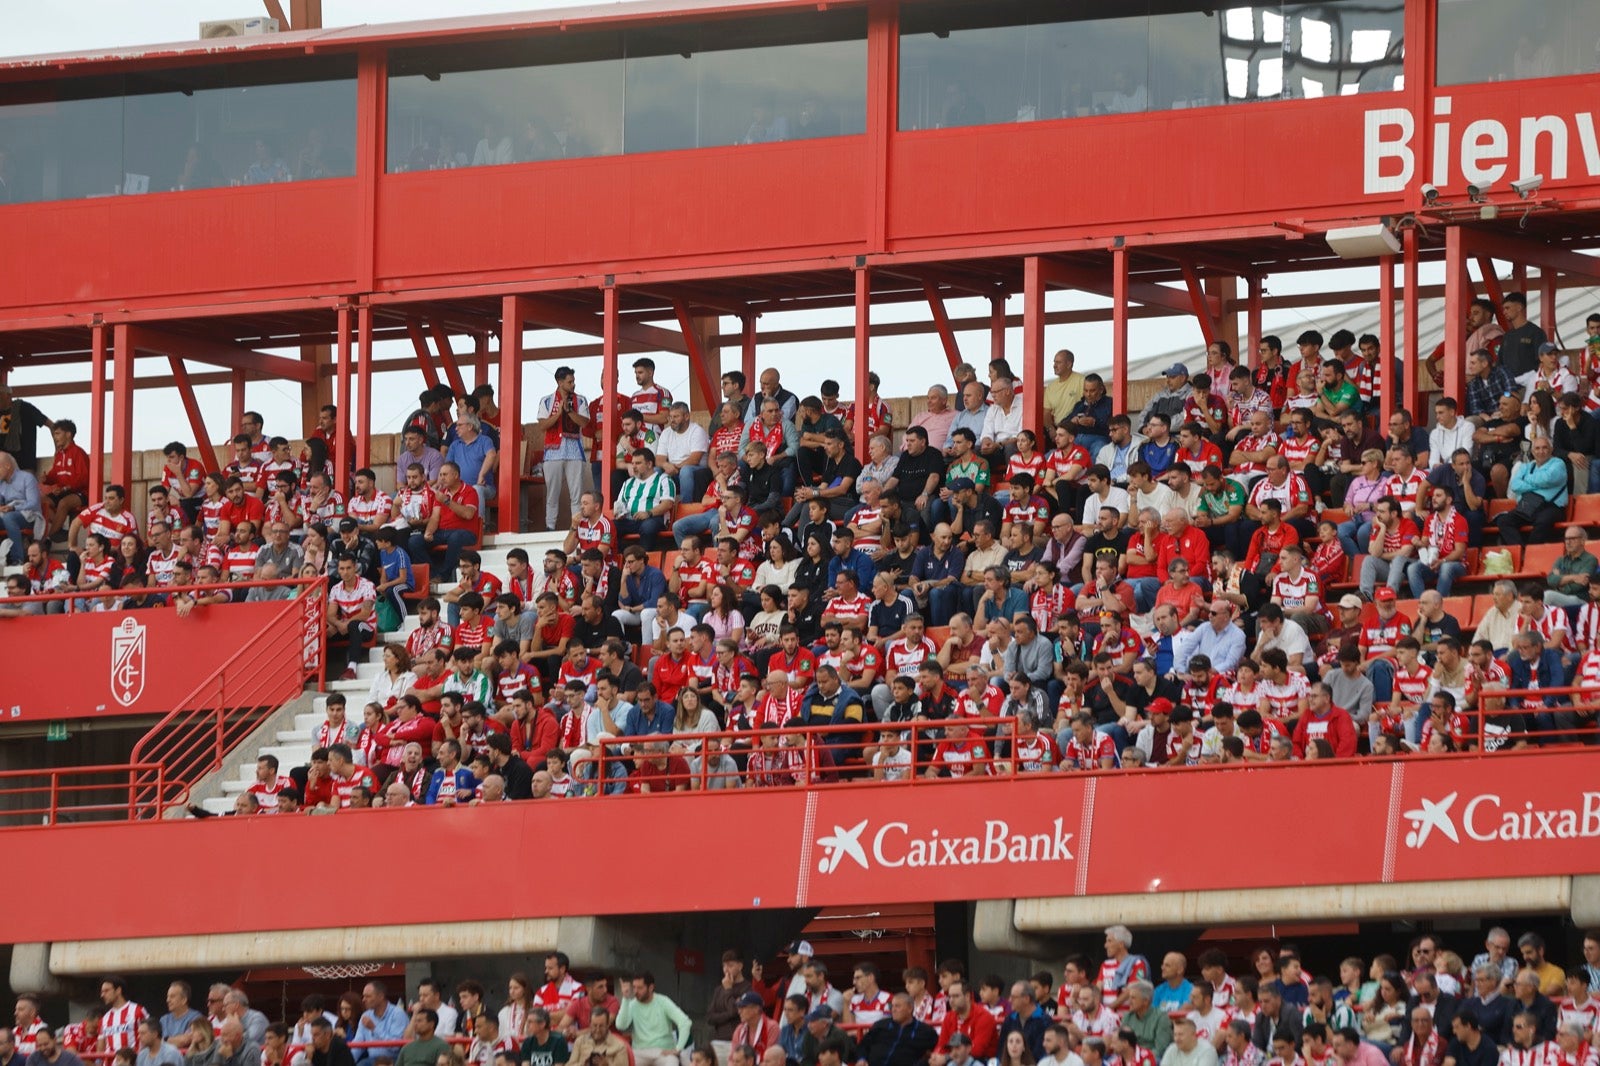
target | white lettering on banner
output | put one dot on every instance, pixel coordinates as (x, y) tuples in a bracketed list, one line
[(893, 846), (1485, 819), (1484, 153)]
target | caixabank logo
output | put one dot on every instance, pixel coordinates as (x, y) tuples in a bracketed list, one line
[(1487, 817), (891, 845)]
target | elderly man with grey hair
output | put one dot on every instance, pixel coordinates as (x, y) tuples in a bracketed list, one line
[(232, 1047), (937, 418), (236, 1006), (473, 451), (19, 506), (1149, 1023), (1122, 967), (1499, 625)]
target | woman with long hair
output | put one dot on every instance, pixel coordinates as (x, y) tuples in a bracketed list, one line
[(395, 680), (761, 635), (1015, 1051), (812, 571), (130, 559), (723, 615), (779, 567), (519, 1000), (692, 716)]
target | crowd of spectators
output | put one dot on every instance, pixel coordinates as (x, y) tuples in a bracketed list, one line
[(1215, 577), (1510, 1006)]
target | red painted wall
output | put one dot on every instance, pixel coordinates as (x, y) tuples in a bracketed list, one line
[(788, 841)]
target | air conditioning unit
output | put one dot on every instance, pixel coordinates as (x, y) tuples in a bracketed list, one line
[(1363, 242), (252, 27)]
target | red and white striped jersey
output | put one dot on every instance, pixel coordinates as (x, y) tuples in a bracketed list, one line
[(864, 1010), (848, 609), (596, 533), (961, 758), (1378, 636), (248, 472), (370, 512), (240, 562), (1405, 489), (266, 793), (1207, 454), (695, 579), (424, 639), (1283, 698), (868, 523), (854, 669), (1060, 463), (91, 573), (1292, 493), (1200, 697), (877, 416), (1036, 754), (1586, 1014), (1293, 593), (211, 514), (416, 505), (1554, 628), (1412, 685), (904, 658), (343, 786), (1586, 1055), (651, 401), (96, 519), (1253, 443), (327, 734), (1547, 1053), (773, 712), (775, 768), (1586, 633), (1297, 449), (1104, 1024), (1047, 605), (1034, 510), (27, 1039), (1458, 730), (1495, 674), (930, 1009), (349, 602), (1443, 530), (1080, 756), (1239, 697), (119, 1026), (163, 567), (558, 997)]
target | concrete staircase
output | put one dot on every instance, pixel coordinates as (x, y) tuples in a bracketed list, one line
[(291, 741)]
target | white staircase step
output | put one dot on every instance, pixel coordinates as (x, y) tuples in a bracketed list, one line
[(218, 804), (307, 723), (294, 736)]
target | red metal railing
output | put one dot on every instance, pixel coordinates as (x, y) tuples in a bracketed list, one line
[(195, 738), (88, 793), (820, 754), (1509, 704)]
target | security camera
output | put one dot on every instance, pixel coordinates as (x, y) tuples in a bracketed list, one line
[(1476, 193), (1430, 194), (1528, 186)]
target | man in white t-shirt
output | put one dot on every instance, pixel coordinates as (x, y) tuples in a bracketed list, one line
[(681, 449)]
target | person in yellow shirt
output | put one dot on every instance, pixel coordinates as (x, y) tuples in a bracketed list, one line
[(1552, 978), (1063, 394)]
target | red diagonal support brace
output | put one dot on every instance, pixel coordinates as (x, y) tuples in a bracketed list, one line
[(424, 357), (204, 450), (695, 351), (1209, 327), (447, 358), (941, 323)]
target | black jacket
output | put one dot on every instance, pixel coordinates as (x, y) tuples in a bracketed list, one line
[(519, 778), (1288, 1022), (887, 1043)]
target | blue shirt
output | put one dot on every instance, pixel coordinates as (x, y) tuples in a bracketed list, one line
[(1224, 649), (642, 723), (857, 560), (470, 457), (644, 590), (177, 1024), (1159, 456), (929, 567), (466, 784), (972, 420), (395, 563), (392, 1026), (22, 493), (1100, 411), (1168, 999)]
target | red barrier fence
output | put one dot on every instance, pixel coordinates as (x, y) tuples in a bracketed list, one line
[(99, 664)]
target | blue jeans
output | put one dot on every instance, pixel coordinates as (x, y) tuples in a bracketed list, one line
[(1374, 570), (696, 525), (648, 529), (453, 541), (692, 482), (1381, 674), (1144, 593), (18, 529), (943, 603), (1444, 577), (1092, 443), (1354, 533)]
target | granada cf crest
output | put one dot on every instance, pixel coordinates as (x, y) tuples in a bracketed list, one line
[(127, 662)]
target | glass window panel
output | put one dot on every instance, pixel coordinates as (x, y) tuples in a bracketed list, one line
[(515, 101), (1500, 40), (179, 129), (965, 64)]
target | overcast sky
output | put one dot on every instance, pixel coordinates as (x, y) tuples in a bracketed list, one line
[(72, 25)]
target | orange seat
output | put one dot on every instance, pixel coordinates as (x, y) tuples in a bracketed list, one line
[(421, 577), (938, 634), (1480, 607), (1334, 515), (683, 510), (1458, 607), (1584, 511), (1499, 507), (1539, 558)]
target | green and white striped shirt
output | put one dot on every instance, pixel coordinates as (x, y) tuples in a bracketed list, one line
[(639, 497)]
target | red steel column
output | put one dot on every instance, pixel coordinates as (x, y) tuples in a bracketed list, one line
[(608, 373), (341, 449), (1253, 325), (1457, 291), (1389, 391), (1547, 300), (97, 413), (1033, 287), (747, 355), (1119, 329), (363, 384), (1412, 364), (863, 353), (122, 406), (997, 330), (510, 397), (238, 402)]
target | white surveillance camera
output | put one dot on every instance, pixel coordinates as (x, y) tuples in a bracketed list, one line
[(1528, 186), (1430, 194), (1476, 193)]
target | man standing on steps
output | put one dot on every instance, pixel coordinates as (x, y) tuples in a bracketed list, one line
[(562, 415), (659, 1028)]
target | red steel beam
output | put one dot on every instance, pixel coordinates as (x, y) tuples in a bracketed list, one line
[(121, 405), (236, 381), (275, 10), (1119, 329), (1064, 276), (509, 394), (1389, 391), (205, 451), (1413, 313), (1457, 291), (1547, 302), (219, 353), (1209, 328), (941, 324), (1528, 253), (341, 446), (419, 344), (1253, 324), (997, 329), (694, 350), (1491, 288), (363, 382), (547, 312), (1033, 289), (863, 354), (610, 335), (747, 354), (480, 358), (447, 358), (97, 412)]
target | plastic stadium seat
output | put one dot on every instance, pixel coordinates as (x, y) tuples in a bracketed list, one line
[(421, 577), (1458, 607), (938, 634), (1497, 507), (1539, 558), (1480, 607), (1334, 515), (684, 510), (1584, 511)]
